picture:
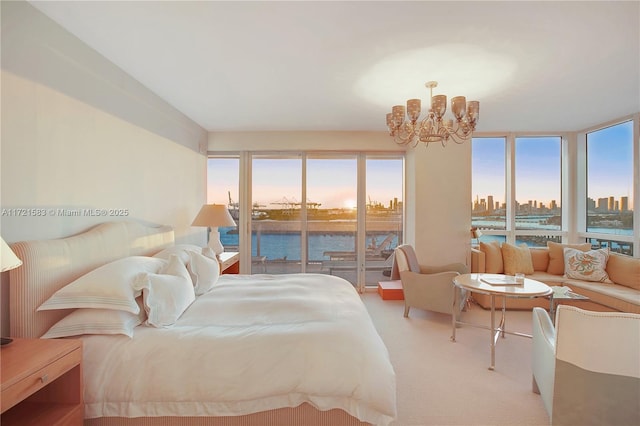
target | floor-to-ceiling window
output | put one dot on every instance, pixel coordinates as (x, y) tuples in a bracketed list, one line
[(610, 187), (223, 180), (384, 213), (516, 188), (538, 189), (488, 187), (331, 213), (276, 212), (332, 194)]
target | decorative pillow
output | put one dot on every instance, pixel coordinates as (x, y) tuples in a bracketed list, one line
[(208, 252), (587, 266), (539, 258), (556, 255), (95, 321), (204, 272), (109, 286), (204, 276), (166, 295), (181, 250), (624, 270), (493, 257), (516, 259)]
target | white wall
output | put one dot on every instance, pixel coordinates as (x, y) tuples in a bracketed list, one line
[(60, 154), (301, 141), (442, 203), (79, 133)]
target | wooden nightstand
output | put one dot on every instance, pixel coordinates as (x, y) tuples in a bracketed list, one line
[(42, 382), (229, 262)]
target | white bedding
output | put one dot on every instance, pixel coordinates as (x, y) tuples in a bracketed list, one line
[(253, 343)]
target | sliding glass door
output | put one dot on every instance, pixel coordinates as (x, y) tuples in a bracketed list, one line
[(384, 215), (332, 194), (277, 214), (330, 213)]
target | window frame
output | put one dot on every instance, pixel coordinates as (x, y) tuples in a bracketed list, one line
[(510, 233), (581, 233), (245, 197)]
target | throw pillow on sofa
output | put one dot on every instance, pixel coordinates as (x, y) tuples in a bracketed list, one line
[(516, 259), (586, 265), (624, 270), (556, 255), (493, 257)]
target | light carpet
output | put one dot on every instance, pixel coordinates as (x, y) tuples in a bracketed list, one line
[(440, 382)]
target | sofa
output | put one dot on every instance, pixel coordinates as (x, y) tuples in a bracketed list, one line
[(617, 290)]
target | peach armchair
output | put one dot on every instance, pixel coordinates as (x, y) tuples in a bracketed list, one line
[(427, 287), (587, 367)]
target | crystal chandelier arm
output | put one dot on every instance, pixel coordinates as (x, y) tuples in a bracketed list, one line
[(405, 134)]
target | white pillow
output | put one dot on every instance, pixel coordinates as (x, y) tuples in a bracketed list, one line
[(586, 265), (109, 286), (208, 252), (166, 295), (95, 321), (181, 250), (204, 272)]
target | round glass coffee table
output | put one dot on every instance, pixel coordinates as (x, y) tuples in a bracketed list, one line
[(496, 285)]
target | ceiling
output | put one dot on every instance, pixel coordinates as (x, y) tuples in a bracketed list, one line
[(324, 65)]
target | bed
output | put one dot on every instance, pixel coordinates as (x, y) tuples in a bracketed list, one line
[(295, 349)]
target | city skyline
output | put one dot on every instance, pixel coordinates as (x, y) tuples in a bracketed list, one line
[(604, 204), (538, 166)]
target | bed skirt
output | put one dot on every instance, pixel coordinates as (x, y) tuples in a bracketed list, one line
[(304, 414)]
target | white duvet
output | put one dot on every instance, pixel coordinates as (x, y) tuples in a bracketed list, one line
[(253, 343)]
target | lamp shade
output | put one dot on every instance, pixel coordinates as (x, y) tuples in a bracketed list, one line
[(9, 259), (214, 216)]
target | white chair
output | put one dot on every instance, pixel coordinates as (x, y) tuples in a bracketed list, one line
[(427, 287), (587, 367)]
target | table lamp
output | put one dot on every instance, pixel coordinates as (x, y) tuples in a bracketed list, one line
[(476, 234), (214, 216), (8, 261)]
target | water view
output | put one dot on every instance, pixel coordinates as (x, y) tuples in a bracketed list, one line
[(286, 246)]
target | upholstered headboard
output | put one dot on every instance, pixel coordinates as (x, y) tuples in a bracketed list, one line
[(49, 265)]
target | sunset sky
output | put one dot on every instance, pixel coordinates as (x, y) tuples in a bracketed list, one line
[(332, 182)]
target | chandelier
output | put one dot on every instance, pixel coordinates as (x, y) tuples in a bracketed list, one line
[(433, 128)]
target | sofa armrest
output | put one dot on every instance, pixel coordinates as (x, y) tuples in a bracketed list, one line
[(478, 261)]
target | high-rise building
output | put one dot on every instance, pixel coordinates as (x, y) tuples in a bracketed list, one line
[(612, 204), (603, 204), (490, 204), (624, 204)]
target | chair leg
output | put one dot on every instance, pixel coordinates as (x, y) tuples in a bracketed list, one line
[(406, 311)]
